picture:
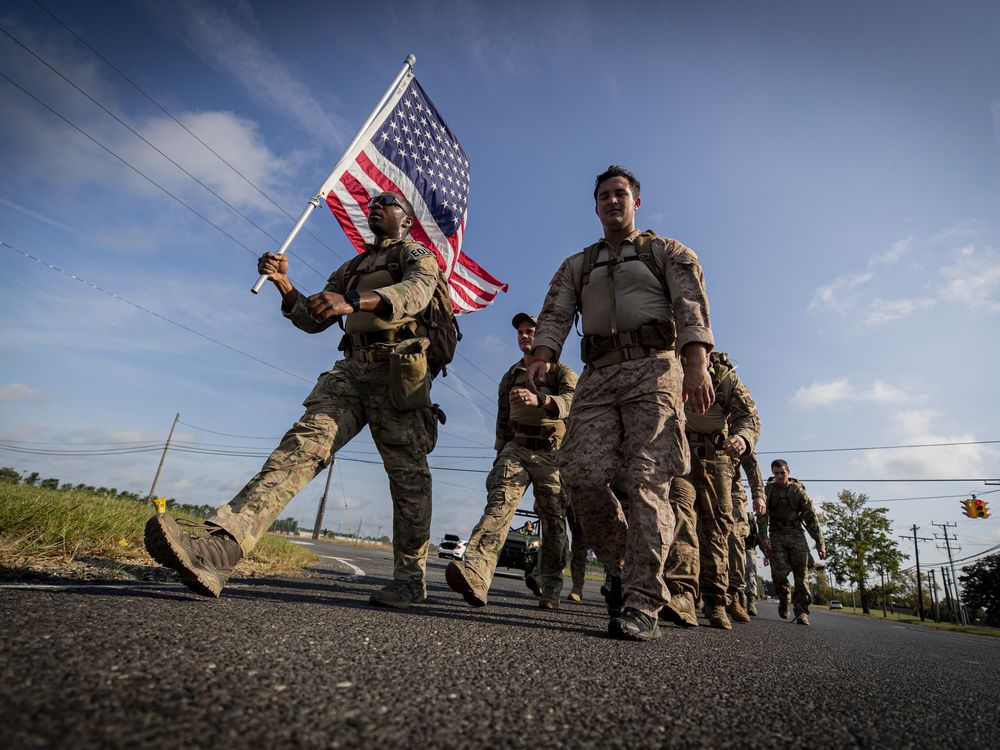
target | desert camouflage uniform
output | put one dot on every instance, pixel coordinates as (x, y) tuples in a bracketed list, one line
[(630, 411), (742, 566), (788, 509), (578, 554), (355, 392), (527, 443), (702, 499)]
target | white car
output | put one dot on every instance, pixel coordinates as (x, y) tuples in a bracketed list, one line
[(834, 604), (452, 546)]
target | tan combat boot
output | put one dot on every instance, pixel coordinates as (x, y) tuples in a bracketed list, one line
[(459, 580), (783, 609), (203, 562), (717, 618), (736, 611), (576, 595), (680, 611), (549, 600), (751, 606), (802, 618)]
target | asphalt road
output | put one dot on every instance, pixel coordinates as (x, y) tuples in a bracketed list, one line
[(309, 663)]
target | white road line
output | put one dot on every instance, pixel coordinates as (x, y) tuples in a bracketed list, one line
[(344, 561)]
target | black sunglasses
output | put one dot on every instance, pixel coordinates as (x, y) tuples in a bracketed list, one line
[(387, 200)]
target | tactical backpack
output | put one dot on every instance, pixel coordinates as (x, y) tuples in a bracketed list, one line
[(437, 321), (657, 335), (644, 252)]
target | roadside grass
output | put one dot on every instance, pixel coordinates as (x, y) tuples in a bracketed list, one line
[(41, 529), (909, 619)]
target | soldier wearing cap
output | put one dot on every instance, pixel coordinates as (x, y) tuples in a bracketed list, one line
[(642, 301), (530, 428)]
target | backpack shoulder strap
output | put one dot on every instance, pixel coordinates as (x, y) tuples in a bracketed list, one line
[(589, 261), (644, 249), (347, 272)]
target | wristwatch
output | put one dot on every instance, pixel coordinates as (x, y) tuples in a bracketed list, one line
[(542, 399), (353, 298)]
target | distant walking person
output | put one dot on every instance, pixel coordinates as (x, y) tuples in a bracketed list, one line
[(784, 544), (383, 381)]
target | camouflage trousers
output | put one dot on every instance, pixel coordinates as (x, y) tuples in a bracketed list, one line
[(737, 549), (699, 559), (628, 415), (790, 554), (578, 555), (514, 469), (343, 401), (750, 575)]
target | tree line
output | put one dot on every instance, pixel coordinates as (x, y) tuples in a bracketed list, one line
[(862, 553)]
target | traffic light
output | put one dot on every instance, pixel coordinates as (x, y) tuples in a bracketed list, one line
[(967, 504), (980, 509)]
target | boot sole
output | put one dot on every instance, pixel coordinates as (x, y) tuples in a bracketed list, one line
[(615, 630), (455, 577), (175, 557), (399, 604)]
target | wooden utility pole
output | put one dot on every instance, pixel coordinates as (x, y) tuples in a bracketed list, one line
[(916, 552), (322, 503), (166, 446)]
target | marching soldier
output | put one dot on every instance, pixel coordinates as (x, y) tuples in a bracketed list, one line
[(382, 381), (642, 300), (530, 428), (784, 544)]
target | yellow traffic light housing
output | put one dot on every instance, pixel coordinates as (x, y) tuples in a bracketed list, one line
[(976, 508)]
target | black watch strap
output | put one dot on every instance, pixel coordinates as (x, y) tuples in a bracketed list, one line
[(353, 298)]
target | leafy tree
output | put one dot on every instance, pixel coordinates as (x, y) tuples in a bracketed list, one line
[(859, 542), (8, 474), (32, 479), (50, 484), (981, 587)]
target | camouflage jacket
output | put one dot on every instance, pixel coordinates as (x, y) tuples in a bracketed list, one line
[(644, 300), (559, 385), (403, 299), (734, 411), (788, 510)]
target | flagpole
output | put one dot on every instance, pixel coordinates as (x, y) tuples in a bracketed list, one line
[(316, 199)]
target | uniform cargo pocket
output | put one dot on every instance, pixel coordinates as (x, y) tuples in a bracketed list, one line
[(409, 388)]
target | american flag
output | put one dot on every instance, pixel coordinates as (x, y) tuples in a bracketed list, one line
[(410, 149)]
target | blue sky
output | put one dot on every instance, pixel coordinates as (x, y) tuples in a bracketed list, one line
[(835, 166)]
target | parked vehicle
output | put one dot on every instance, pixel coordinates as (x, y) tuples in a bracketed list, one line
[(834, 604), (519, 551), (452, 546)]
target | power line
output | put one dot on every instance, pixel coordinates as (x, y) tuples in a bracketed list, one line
[(141, 137), (878, 448), (184, 127), (152, 312), (150, 180)]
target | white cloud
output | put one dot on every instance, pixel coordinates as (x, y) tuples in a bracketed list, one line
[(18, 393), (918, 427), (896, 251), (973, 279), (229, 38), (841, 391), (884, 310), (836, 295)]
